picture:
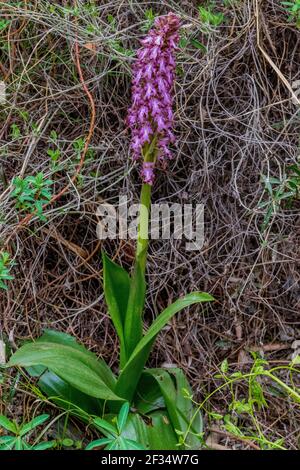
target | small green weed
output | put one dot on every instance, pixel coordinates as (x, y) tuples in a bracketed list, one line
[(286, 189), (113, 439), (209, 16), (241, 416), (15, 132), (78, 146), (150, 18), (3, 24), (21, 433), (31, 193), (53, 154), (293, 9), (5, 267)]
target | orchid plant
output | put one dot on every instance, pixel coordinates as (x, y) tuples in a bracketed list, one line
[(159, 400)]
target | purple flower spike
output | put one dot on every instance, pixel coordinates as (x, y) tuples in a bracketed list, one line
[(153, 75)]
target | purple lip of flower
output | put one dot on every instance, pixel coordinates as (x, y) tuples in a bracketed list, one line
[(148, 172), (151, 110)]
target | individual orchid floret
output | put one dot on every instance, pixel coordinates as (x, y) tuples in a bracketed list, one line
[(150, 114), (148, 172)]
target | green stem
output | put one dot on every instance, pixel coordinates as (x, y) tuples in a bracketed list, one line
[(285, 387), (133, 327), (143, 239), (149, 154)]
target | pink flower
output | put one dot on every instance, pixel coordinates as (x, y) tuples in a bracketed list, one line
[(145, 133), (149, 70), (148, 172), (151, 111), (161, 85), (161, 123), (162, 67), (154, 52), (158, 40), (150, 90), (155, 106), (143, 113)]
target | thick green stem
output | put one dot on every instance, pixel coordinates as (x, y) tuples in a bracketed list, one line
[(133, 328), (149, 154), (143, 239)]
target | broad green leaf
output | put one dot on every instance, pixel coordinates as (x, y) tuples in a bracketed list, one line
[(36, 371), (148, 396), (183, 415), (98, 443), (155, 433), (133, 329), (76, 367), (116, 284), (168, 391), (69, 398), (122, 417), (7, 424), (33, 424), (57, 337), (189, 415), (129, 377)]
